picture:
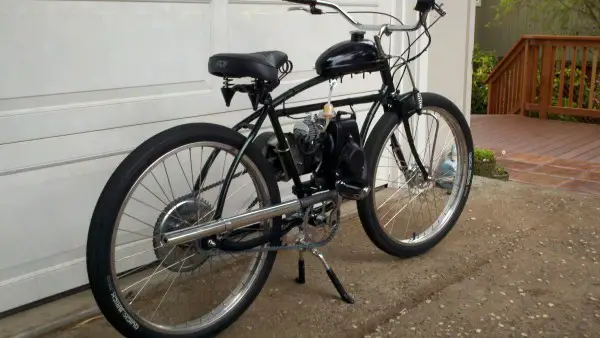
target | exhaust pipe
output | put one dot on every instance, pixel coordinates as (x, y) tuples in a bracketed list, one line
[(196, 232)]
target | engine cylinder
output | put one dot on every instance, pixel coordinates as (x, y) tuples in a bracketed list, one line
[(333, 155)]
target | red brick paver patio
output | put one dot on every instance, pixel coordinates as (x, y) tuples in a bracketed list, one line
[(543, 152)]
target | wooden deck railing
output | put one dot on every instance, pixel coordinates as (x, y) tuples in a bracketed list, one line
[(537, 76)]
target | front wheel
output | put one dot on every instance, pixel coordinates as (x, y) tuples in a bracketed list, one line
[(421, 211), (145, 289)]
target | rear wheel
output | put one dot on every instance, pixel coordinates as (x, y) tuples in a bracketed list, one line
[(145, 289), (422, 212)]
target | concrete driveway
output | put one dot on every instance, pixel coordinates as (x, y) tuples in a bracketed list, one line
[(521, 262)]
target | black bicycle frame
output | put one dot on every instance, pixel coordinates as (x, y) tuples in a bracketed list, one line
[(386, 96)]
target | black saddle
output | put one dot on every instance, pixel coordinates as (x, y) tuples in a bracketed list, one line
[(262, 65)]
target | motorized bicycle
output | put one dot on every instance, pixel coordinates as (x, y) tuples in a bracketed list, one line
[(172, 230)]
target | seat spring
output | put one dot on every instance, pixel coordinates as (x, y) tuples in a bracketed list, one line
[(285, 69), (227, 82)]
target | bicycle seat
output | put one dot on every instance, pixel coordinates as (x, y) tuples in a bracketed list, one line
[(262, 65)]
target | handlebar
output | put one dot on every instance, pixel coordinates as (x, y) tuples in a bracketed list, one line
[(386, 27)]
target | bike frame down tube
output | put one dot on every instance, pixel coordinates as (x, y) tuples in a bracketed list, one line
[(269, 110)]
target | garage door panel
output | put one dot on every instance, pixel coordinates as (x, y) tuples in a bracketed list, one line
[(95, 45), (33, 287), (50, 211), (83, 117), (88, 116), (57, 150), (65, 101)]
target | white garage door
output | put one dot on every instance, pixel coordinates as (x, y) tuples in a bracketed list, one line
[(83, 82)]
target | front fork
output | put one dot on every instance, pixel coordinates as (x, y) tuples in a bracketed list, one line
[(402, 105)]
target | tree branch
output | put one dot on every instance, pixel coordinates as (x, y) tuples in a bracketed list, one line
[(573, 15), (572, 8), (592, 11)]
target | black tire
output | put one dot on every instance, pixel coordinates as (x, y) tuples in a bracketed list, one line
[(373, 146), (113, 196)]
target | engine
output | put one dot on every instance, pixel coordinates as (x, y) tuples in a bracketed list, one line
[(330, 149)]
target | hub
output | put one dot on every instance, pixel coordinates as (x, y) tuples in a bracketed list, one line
[(182, 213), (418, 180)]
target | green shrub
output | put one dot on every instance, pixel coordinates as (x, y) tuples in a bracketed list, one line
[(483, 64), (484, 155), (485, 162), (500, 170)]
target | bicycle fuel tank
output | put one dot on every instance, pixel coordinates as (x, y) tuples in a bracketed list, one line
[(356, 55)]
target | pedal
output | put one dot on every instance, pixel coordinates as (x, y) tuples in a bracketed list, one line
[(352, 192)]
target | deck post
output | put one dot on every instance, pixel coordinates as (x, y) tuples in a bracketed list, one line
[(526, 77), (546, 79), (490, 98)]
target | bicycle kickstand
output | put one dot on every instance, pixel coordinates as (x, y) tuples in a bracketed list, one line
[(301, 275), (333, 277)]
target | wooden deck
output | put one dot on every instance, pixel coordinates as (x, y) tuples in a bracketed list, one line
[(543, 152)]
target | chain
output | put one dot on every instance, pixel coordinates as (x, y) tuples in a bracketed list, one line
[(214, 185), (301, 246)]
